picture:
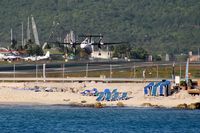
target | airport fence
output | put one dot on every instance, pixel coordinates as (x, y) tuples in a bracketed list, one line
[(123, 70)]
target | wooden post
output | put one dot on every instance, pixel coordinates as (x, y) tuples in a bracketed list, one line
[(157, 71)]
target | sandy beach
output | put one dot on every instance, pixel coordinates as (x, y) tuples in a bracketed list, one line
[(69, 93)]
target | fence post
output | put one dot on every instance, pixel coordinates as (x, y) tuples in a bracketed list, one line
[(180, 71), (36, 72), (86, 71), (157, 71), (14, 71), (110, 70), (63, 71), (44, 72)]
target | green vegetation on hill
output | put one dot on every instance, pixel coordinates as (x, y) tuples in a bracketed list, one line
[(161, 26)]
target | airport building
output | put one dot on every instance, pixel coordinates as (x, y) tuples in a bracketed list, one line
[(103, 55), (193, 58)]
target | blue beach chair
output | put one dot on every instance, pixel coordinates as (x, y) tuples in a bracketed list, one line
[(94, 92), (108, 96), (162, 89), (154, 89), (148, 88), (100, 97), (166, 85), (124, 96), (115, 90), (106, 90), (85, 92), (115, 96)]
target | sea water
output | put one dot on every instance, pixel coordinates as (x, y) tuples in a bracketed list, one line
[(61, 119)]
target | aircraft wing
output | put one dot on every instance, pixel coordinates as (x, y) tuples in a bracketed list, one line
[(76, 43), (110, 43), (29, 58), (53, 42), (88, 35)]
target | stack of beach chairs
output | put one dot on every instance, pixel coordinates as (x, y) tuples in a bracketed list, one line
[(106, 95), (158, 89)]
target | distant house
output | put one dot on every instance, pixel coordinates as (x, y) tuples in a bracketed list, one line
[(194, 58), (6, 51), (150, 58), (101, 55), (167, 57)]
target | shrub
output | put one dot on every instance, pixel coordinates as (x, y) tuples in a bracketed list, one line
[(183, 83), (98, 105), (120, 104)]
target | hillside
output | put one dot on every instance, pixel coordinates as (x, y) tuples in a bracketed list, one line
[(158, 25)]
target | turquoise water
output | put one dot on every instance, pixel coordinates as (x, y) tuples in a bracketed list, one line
[(56, 119)]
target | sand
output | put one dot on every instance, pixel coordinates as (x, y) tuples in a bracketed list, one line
[(68, 93)]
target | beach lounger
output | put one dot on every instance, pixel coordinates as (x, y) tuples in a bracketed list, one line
[(85, 92), (167, 90), (49, 90), (100, 97), (106, 90), (148, 88), (115, 90), (154, 90), (37, 90), (94, 92), (108, 96), (115, 96), (162, 90), (124, 96)]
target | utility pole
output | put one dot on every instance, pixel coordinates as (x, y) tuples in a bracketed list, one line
[(198, 55), (22, 34), (157, 71), (180, 71), (131, 72), (173, 71), (14, 71), (44, 71), (63, 71), (28, 31), (11, 36), (36, 72)]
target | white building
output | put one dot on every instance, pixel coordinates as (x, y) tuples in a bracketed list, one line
[(150, 58), (102, 55), (167, 57)]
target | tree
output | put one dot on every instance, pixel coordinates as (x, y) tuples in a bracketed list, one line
[(158, 25), (34, 50), (13, 44), (156, 57), (138, 53), (121, 51)]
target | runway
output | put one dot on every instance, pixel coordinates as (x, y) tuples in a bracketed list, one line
[(71, 67)]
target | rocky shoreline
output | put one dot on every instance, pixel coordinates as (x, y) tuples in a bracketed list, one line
[(191, 106)]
